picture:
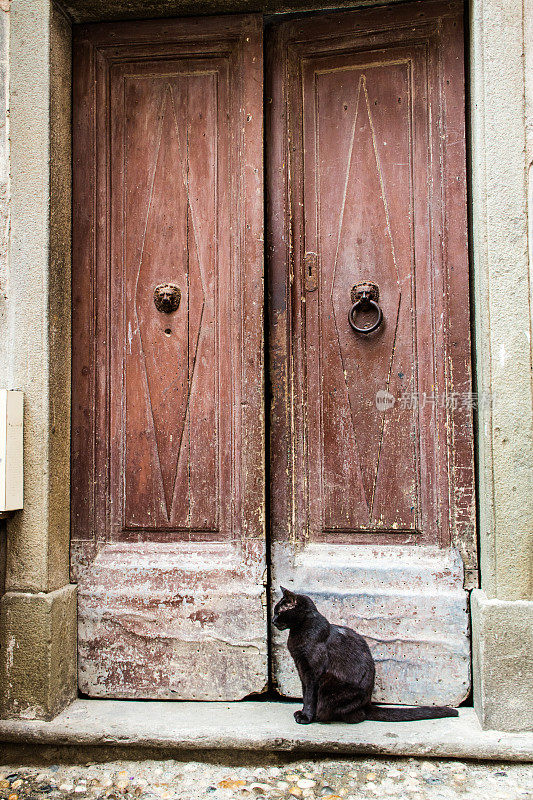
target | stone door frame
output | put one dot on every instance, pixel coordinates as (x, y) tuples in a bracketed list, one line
[(38, 610)]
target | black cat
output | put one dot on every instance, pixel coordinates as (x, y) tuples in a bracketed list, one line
[(336, 668)]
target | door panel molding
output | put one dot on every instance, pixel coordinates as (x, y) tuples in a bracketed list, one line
[(427, 38)]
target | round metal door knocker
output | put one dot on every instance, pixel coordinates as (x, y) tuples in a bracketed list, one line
[(365, 296), (167, 297)]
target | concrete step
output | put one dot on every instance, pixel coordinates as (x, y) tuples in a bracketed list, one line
[(255, 727)]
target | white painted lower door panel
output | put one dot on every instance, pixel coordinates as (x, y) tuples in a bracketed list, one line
[(408, 603)]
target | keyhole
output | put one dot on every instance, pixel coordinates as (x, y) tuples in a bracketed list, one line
[(168, 331)]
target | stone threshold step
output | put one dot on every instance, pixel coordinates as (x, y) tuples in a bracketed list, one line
[(261, 726)]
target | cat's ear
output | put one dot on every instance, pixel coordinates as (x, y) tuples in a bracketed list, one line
[(287, 592)]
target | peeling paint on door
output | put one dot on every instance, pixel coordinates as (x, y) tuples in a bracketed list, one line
[(371, 437), (409, 604), (168, 543)]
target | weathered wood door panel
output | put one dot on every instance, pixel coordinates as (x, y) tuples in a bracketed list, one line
[(372, 481), (371, 441), (167, 506)]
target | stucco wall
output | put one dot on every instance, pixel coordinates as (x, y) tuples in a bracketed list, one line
[(38, 307), (502, 284), (528, 67), (35, 357), (4, 158), (502, 610), (4, 219)]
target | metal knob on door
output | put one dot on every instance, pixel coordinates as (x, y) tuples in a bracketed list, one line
[(167, 297), (365, 296)]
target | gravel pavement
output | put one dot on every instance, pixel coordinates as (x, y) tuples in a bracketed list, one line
[(321, 779)]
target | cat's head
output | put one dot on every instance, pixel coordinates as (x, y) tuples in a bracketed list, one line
[(291, 609)]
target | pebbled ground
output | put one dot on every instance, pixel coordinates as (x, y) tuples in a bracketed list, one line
[(323, 779)]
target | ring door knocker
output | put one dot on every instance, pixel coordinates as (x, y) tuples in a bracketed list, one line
[(365, 296)]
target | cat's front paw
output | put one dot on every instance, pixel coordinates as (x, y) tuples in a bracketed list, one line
[(302, 718)]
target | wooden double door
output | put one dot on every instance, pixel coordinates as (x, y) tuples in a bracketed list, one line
[(350, 133)]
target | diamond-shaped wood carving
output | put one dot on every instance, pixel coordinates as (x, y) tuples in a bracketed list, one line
[(365, 251), (169, 254)]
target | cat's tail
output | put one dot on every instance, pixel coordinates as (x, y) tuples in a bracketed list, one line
[(407, 713)]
